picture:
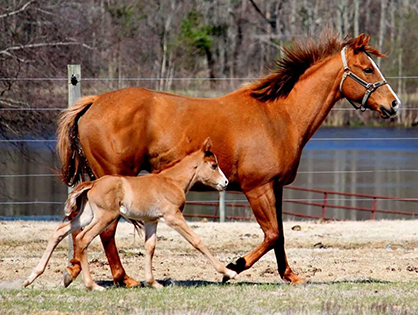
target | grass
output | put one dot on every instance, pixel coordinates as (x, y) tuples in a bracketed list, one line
[(200, 297)]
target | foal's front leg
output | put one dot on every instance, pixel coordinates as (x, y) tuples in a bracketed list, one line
[(177, 222), (150, 242)]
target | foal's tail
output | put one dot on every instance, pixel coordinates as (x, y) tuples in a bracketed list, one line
[(73, 162), (75, 199)]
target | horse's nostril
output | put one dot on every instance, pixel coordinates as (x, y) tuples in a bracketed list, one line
[(394, 103)]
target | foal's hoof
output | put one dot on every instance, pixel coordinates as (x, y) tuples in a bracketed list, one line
[(67, 278), (237, 267), (98, 288), (230, 274), (155, 285)]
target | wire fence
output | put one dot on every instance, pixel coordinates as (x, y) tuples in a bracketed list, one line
[(232, 203), (163, 79)]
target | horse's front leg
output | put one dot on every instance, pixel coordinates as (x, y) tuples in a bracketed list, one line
[(284, 269), (263, 203)]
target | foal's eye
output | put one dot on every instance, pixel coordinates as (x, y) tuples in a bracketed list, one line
[(214, 166), (368, 70)]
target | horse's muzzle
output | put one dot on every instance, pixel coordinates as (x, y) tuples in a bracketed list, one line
[(386, 113)]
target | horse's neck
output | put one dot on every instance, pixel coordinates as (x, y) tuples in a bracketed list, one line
[(313, 96), (182, 174)]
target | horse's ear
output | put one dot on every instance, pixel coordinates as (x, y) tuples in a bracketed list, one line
[(207, 144), (360, 43)]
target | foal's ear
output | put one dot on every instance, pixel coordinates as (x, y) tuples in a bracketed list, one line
[(207, 144), (360, 43)]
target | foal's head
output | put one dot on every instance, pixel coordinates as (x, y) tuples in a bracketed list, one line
[(208, 171)]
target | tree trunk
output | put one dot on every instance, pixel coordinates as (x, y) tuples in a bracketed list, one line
[(211, 67), (356, 17), (382, 29)]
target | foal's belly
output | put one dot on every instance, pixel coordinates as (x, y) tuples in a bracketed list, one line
[(149, 213), (143, 214)]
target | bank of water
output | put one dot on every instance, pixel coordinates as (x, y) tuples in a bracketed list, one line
[(377, 161)]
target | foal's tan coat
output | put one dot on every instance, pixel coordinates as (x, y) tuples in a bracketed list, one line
[(147, 199)]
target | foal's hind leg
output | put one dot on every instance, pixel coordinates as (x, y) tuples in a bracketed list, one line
[(150, 242), (177, 221), (100, 222)]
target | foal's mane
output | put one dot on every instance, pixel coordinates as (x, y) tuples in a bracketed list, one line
[(169, 165), (172, 163), (296, 60)]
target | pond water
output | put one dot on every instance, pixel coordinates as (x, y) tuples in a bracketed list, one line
[(377, 161)]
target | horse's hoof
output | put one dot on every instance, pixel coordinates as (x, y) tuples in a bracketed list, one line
[(130, 282), (294, 279), (26, 283), (67, 278)]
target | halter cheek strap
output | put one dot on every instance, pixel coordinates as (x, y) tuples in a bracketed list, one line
[(370, 87)]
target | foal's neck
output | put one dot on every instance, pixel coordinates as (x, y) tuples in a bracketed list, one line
[(313, 96), (183, 173)]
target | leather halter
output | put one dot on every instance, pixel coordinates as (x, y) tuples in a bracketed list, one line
[(370, 87)]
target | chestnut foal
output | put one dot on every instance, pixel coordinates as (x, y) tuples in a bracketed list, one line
[(97, 204)]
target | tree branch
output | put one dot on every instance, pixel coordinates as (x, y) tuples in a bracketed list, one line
[(272, 23), (23, 8), (14, 48)]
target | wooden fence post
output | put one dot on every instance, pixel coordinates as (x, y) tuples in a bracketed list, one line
[(222, 205), (74, 93)]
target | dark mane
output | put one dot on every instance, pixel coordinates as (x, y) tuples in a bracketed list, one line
[(296, 60)]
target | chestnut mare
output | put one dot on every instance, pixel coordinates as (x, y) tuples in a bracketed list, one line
[(258, 132), (95, 205)]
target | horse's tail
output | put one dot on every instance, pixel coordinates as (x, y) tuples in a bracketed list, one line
[(74, 202), (73, 162)]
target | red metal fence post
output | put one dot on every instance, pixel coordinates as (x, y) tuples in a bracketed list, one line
[(324, 205), (374, 208)]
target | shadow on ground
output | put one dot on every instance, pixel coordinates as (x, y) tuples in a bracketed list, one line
[(168, 282)]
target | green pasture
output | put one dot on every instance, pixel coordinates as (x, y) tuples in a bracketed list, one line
[(198, 297)]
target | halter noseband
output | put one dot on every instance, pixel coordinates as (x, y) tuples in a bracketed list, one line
[(370, 87)]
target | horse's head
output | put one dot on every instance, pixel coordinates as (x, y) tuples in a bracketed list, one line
[(208, 171), (363, 84)]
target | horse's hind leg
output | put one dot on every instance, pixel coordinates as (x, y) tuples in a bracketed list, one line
[(177, 221), (60, 233), (150, 242), (285, 271)]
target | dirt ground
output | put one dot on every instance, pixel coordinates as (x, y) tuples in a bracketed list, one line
[(319, 252)]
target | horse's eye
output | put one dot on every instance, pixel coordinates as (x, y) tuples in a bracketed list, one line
[(214, 166), (368, 70)]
